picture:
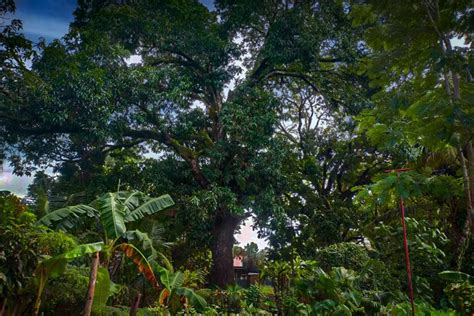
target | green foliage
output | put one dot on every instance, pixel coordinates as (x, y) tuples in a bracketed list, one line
[(20, 252), (461, 297), (174, 290), (460, 291), (55, 266), (348, 255), (53, 243), (253, 296), (421, 308), (456, 277), (30, 254), (66, 293), (279, 273), (68, 216), (427, 254), (113, 209), (286, 112)]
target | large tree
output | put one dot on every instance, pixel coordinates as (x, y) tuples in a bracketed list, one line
[(206, 97)]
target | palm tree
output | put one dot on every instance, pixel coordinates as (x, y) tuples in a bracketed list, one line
[(113, 211)]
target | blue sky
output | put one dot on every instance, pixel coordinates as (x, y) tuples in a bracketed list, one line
[(50, 18), (45, 18)]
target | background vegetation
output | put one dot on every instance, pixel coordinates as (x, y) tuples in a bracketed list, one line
[(286, 112)]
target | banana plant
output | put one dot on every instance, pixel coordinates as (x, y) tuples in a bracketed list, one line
[(55, 266), (174, 294), (114, 211)]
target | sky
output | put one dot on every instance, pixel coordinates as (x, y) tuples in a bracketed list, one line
[(45, 18), (50, 19)]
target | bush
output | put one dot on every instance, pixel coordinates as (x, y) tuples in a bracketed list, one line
[(461, 297), (53, 243), (66, 294), (346, 254)]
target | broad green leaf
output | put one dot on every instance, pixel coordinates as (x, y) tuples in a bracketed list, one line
[(150, 207), (144, 239), (130, 200), (141, 237), (56, 265), (171, 280), (67, 217), (82, 250), (456, 276), (194, 298), (112, 214), (102, 289)]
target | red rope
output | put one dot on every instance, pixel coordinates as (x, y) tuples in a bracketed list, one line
[(407, 258), (405, 244)]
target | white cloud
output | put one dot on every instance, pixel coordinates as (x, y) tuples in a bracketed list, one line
[(15, 184), (248, 235)]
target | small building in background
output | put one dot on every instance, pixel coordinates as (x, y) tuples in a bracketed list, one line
[(244, 274)]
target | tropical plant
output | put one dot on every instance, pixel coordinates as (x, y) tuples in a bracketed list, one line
[(55, 266), (114, 211), (64, 294), (279, 273), (22, 247), (460, 291), (330, 292), (175, 296)]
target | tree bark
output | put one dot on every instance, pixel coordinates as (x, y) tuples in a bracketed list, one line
[(467, 171), (92, 283), (222, 273), (467, 163), (470, 167), (4, 307)]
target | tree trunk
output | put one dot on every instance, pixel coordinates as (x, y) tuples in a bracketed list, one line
[(222, 273), (4, 307), (467, 168), (92, 283), (470, 167)]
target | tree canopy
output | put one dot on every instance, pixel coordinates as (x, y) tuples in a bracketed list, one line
[(291, 113)]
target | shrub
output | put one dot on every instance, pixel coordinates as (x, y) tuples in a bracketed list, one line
[(346, 254), (65, 294), (461, 297)]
